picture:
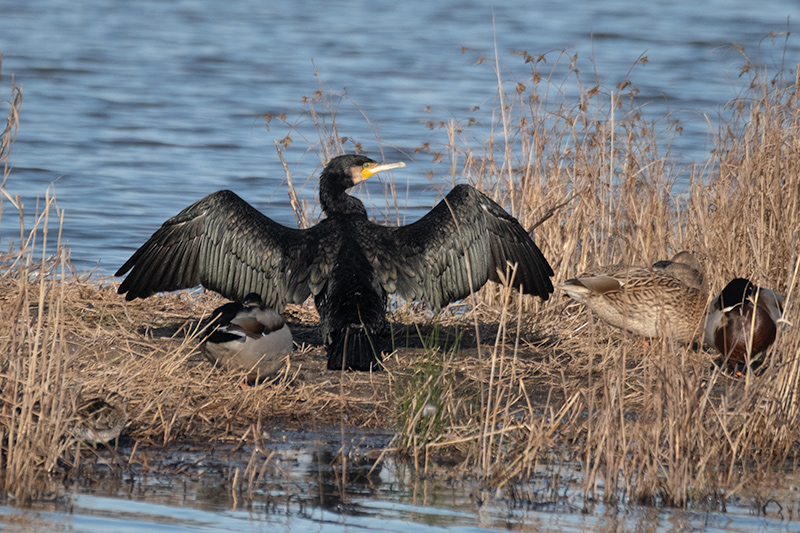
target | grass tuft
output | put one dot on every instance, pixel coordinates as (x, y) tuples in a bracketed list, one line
[(528, 397)]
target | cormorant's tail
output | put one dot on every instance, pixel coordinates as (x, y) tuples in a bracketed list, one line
[(353, 349)]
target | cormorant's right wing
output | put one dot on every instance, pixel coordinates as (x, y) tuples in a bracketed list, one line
[(226, 245)]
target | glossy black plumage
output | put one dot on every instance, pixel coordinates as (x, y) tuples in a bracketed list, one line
[(348, 263)]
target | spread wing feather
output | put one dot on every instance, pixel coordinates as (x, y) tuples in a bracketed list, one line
[(226, 245), (455, 248)]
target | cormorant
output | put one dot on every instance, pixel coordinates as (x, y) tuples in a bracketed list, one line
[(346, 262)]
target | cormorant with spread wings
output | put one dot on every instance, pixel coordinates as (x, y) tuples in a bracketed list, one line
[(346, 262)]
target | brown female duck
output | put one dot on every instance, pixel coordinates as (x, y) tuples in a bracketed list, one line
[(685, 267), (100, 419), (665, 300)]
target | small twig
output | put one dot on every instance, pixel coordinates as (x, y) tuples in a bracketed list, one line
[(550, 212), (302, 220)]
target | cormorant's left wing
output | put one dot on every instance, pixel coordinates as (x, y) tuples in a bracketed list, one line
[(453, 250)]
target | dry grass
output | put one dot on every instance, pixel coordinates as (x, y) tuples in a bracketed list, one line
[(512, 392), (662, 424)]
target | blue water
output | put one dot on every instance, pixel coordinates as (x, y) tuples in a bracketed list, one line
[(133, 110), (305, 488)]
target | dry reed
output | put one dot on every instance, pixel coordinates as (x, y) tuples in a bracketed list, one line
[(513, 392), (662, 424)]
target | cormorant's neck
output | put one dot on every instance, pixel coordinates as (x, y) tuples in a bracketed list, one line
[(335, 201)]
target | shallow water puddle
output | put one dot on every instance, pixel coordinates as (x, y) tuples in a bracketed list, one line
[(304, 485)]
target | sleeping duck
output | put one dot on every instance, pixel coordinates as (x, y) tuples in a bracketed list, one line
[(742, 322), (100, 419), (685, 267), (248, 337), (665, 300)]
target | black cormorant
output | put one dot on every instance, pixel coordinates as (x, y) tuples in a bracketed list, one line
[(346, 262)]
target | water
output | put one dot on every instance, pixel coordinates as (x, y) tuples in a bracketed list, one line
[(304, 488), (134, 110)]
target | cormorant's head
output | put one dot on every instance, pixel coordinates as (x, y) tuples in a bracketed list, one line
[(349, 170)]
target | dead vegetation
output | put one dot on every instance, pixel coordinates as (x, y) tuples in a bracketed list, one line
[(505, 390)]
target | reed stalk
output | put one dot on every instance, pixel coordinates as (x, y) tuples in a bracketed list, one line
[(519, 395)]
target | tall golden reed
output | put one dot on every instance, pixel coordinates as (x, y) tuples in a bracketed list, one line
[(551, 398), (34, 416), (643, 423)]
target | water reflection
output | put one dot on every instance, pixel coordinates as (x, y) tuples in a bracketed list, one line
[(328, 481), (336, 482), (136, 110)]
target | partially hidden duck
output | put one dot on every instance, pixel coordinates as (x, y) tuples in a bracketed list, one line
[(742, 322), (246, 336)]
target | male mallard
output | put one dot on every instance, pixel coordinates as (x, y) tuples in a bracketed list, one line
[(100, 419), (661, 301), (248, 336), (742, 322)]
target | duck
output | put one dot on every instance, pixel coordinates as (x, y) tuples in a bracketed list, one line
[(685, 267), (665, 300), (247, 336), (346, 262), (101, 419), (742, 323)]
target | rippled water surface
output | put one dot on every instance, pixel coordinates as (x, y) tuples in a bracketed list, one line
[(136, 109), (308, 486)]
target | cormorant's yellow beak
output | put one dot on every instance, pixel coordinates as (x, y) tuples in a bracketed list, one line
[(372, 169)]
